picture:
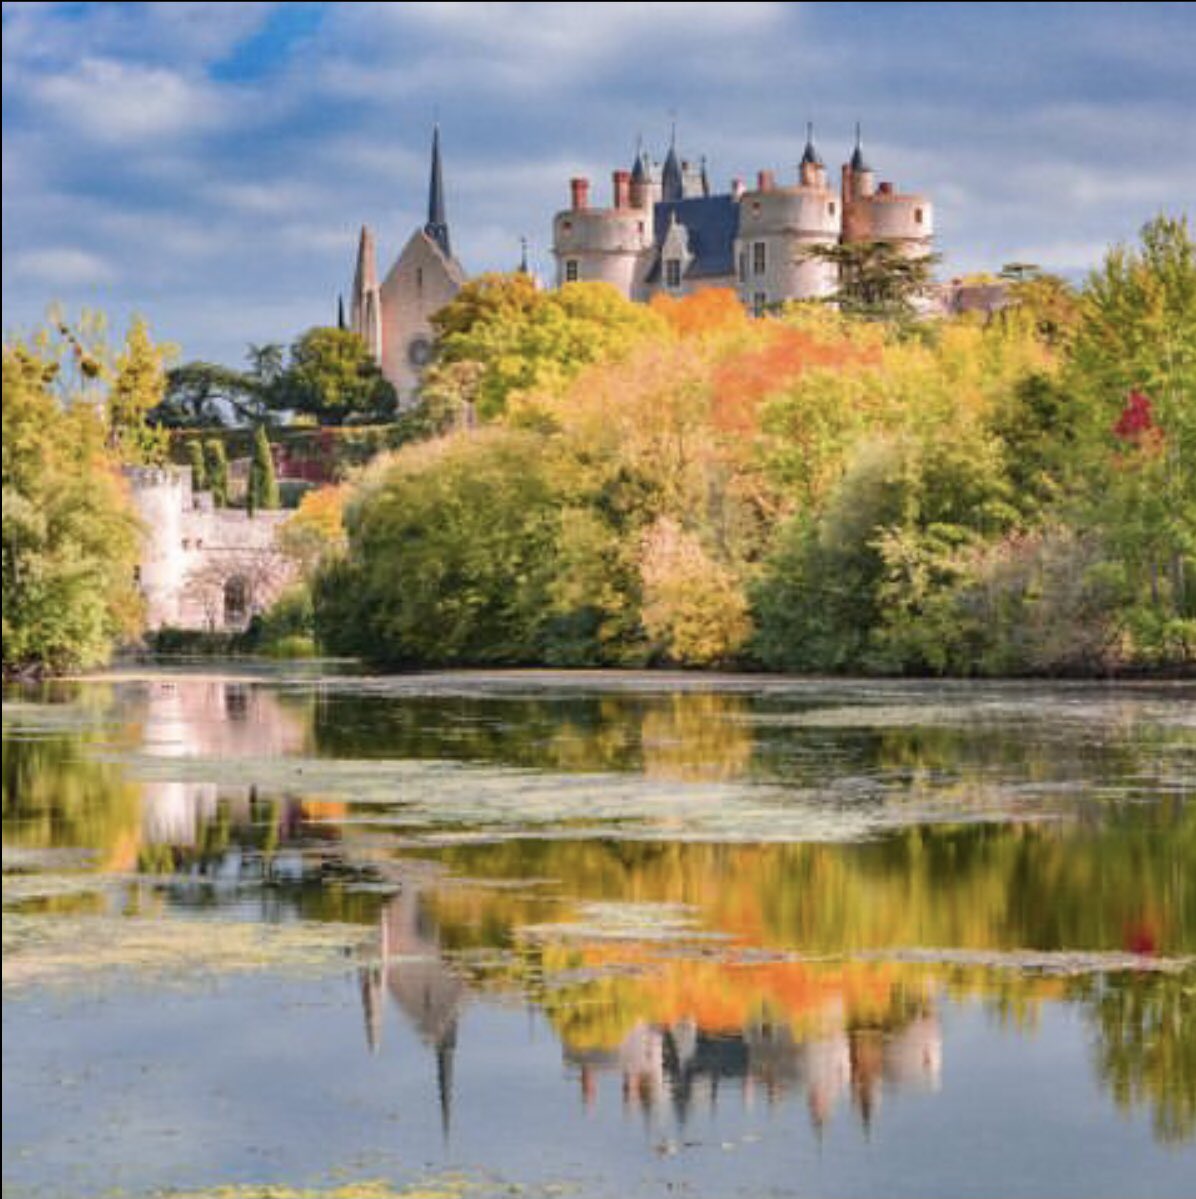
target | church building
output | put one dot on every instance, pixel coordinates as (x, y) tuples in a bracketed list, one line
[(393, 317)]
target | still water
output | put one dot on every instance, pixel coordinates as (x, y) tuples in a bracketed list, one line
[(597, 935)]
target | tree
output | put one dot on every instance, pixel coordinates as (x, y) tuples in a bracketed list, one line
[(1133, 367), (263, 486), (878, 280), (70, 539), (450, 556), (523, 339), (216, 470), (138, 389), (199, 470), (205, 395), (316, 531), (333, 376)]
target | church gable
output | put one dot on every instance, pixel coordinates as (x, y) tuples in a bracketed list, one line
[(422, 281)]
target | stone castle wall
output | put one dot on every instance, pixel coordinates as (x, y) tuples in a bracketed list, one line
[(203, 567)]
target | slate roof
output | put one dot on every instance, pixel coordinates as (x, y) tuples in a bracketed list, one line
[(712, 223)]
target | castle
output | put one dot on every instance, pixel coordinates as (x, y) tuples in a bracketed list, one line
[(664, 232), (203, 566)]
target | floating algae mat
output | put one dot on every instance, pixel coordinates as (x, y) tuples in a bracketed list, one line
[(297, 932)]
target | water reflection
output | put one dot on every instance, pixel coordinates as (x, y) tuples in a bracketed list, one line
[(716, 994)]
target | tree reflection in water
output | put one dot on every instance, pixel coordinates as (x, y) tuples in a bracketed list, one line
[(679, 1024)]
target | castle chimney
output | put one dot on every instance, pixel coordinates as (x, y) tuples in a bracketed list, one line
[(621, 187), (885, 189), (765, 181), (581, 193)]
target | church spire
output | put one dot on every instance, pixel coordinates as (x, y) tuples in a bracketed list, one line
[(437, 227)]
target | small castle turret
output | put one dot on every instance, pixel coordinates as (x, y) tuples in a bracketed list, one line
[(611, 245), (878, 212), (777, 226)]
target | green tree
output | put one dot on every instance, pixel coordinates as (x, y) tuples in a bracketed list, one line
[(70, 540), (333, 376), (206, 395), (877, 279), (263, 486), (199, 470), (450, 557), (216, 470), (1133, 368)]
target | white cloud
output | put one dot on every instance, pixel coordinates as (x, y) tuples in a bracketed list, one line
[(55, 35), (61, 266), (117, 102)]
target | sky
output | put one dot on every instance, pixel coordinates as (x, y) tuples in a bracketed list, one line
[(209, 165)]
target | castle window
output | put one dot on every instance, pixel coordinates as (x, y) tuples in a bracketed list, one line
[(918, 215), (742, 265), (186, 544), (136, 574), (570, 270), (758, 259), (672, 273), (419, 278), (830, 208), (759, 303)]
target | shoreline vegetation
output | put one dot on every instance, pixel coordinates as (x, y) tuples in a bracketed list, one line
[(590, 483)]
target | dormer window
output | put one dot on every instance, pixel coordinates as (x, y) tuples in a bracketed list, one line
[(672, 273)]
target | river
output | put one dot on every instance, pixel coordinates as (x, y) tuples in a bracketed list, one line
[(597, 934)]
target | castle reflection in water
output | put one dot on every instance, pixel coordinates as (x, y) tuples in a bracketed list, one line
[(677, 1066), (660, 1066)]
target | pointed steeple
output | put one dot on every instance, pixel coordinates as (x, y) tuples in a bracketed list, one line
[(641, 169), (366, 275), (858, 162), (810, 156), (523, 268), (705, 178), (365, 314), (340, 313), (437, 226)]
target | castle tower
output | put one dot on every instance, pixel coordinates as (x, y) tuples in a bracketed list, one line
[(366, 309), (778, 223), (611, 245), (878, 212)]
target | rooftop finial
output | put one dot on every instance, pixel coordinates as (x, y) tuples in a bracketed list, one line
[(523, 269)]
